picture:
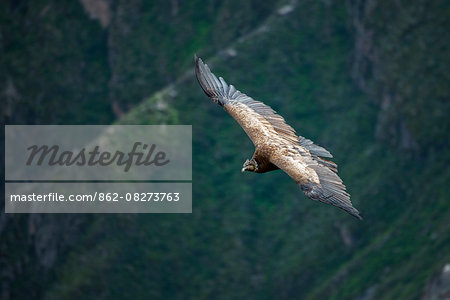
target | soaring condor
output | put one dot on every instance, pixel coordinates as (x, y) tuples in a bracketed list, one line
[(276, 144)]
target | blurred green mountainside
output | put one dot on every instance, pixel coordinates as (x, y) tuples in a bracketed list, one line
[(368, 80)]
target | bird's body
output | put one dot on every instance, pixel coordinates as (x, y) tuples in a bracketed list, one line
[(262, 159), (277, 146)]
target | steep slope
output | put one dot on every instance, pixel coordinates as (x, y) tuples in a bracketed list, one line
[(295, 244), (66, 62), (256, 236)]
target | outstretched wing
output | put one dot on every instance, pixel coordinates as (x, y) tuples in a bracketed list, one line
[(317, 180), (259, 121)]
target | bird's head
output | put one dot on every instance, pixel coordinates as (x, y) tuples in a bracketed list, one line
[(250, 166)]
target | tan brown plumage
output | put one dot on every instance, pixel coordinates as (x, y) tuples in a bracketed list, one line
[(277, 146)]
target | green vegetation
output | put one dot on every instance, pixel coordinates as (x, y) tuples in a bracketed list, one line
[(381, 108)]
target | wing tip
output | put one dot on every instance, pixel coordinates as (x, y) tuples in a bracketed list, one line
[(328, 194), (356, 214), (351, 210), (211, 85), (197, 60), (348, 207), (200, 66), (201, 75)]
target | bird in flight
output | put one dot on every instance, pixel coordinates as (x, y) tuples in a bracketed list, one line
[(277, 146)]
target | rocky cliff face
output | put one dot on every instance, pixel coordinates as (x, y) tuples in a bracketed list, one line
[(438, 287), (399, 53), (76, 63), (57, 57)]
